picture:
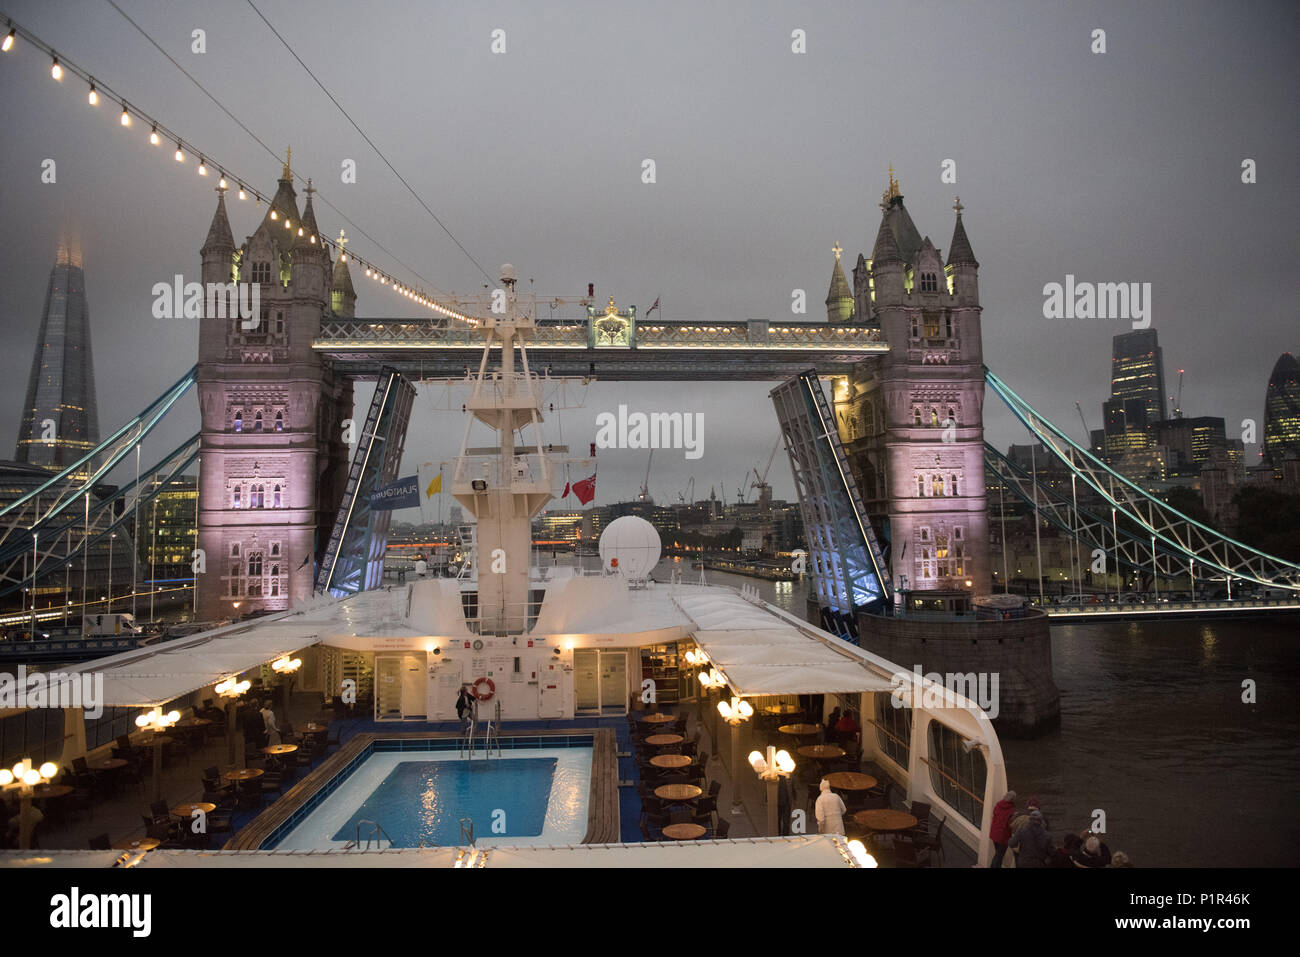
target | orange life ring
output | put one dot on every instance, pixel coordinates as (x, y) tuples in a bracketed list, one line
[(492, 689)]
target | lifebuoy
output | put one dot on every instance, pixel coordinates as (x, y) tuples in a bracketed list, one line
[(492, 689)]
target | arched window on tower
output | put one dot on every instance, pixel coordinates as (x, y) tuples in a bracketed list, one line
[(952, 482), (947, 324), (235, 503), (937, 485), (275, 501), (239, 420), (920, 486), (916, 416), (257, 421), (929, 282), (279, 421)]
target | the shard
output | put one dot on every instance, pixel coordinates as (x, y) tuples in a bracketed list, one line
[(60, 423)]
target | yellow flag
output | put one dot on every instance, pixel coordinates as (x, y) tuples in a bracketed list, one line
[(435, 486)]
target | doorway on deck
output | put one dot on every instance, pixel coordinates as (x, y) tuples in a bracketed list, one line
[(400, 693), (600, 681)]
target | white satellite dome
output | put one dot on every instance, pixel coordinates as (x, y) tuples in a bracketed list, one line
[(630, 546)]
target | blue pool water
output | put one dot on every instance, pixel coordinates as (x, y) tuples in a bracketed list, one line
[(425, 800)]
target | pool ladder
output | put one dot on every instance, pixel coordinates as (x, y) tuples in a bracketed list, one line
[(467, 831), (375, 834)]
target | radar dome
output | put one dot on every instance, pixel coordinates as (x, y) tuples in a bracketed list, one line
[(630, 546)]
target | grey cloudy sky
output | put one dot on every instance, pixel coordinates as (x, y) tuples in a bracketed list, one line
[(1123, 166)]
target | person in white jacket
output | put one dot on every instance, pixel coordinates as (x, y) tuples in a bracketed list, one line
[(272, 729), (830, 811)]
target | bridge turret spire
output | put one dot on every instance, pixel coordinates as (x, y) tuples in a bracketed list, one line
[(220, 238), (839, 300)]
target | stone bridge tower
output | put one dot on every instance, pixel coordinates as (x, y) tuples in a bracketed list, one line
[(912, 420), (272, 460)]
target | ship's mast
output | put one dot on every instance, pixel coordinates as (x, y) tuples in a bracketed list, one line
[(505, 486)]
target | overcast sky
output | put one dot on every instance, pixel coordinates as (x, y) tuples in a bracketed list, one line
[(1121, 166)]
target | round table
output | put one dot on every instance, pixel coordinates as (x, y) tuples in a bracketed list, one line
[(192, 723), (822, 752), (851, 781), (658, 719), (187, 810), (108, 764), (684, 832), (243, 774), (664, 740), (885, 820), (800, 730), (670, 760), (678, 792), (51, 791), (314, 728), (280, 749), (137, 844)]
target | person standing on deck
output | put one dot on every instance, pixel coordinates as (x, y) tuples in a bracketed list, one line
[(1032, 842), (268, 719), (465, 705), (1000, 826), (830, 811)]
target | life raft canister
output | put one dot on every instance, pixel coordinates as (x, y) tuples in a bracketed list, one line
[(491, 686)]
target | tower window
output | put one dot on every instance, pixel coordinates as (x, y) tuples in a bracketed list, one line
[(916, 416), (275, 503), (239, 420), (920, 486), (937, 485), (254, 564), (947, 325), (279, 323), (234, 549), (279, 421), (929, 282), (915, 328), (952, 480), (257, 422), (262, 272)]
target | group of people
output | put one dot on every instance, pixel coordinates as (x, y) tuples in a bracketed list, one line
[(843, 728), (1027, 835), (258, 722)]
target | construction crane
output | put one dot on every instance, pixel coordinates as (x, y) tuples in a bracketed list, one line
[(1087, 432), (762, 479), (645, 485), (688, 497)]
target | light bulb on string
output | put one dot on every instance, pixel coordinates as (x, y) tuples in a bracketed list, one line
[(300, 232), (242, 194), (180, 154), (203, 167), (94, 96), (221, 183), (153, 136), (274, 215), (9, 42), (56, 71), (126, 116)]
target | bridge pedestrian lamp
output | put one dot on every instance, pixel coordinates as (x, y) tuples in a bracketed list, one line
[(23, 778), (735, 714), (774, 767), (157, 722)]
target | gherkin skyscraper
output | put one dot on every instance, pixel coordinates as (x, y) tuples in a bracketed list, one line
[(60, 423)]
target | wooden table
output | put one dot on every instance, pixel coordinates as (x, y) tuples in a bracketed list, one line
[(192, 723), (851, 781), (280, 749), (678, 792), (684, 832), (243, 774), (108, 764), (137, 844), (658, 719), (800, 730), (670, 760), (885, 820), (187, 810), (664, 740), (822, 752), (51, 791), (314, 728)]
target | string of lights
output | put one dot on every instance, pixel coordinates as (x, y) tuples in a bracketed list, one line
[(257, 139), (160, 132)]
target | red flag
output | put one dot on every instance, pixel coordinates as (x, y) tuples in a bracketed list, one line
[(585, 490), (566, 490)]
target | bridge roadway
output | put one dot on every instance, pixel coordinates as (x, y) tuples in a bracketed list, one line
[(665, 351), (1130, 611)]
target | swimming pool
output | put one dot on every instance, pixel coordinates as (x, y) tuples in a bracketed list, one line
[(528, 795)]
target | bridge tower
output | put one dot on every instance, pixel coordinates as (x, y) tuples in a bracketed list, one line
[(273, 462), (911, 420)]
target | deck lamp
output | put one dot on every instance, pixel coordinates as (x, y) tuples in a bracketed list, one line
[(286, 666), (25, 777), (230, 690), (859, 855), (774, 767), (157, 722), (696, 658), (735, 713)]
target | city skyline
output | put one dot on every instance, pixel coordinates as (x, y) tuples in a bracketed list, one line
[(695, 240)]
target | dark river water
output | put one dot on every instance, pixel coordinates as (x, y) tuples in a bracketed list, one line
[(1154, 733)]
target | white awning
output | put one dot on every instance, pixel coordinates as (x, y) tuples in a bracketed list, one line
[(813, 850), (762, 654)]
